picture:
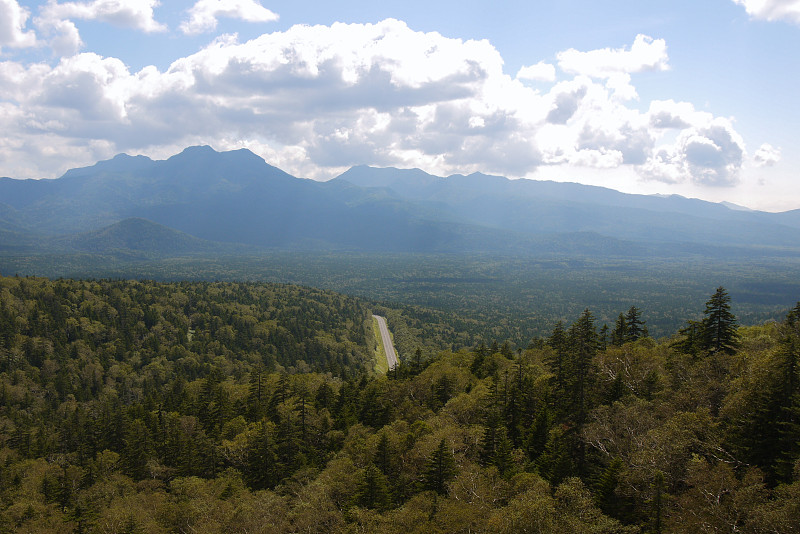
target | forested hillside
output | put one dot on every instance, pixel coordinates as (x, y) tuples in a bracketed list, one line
[(222, 407)]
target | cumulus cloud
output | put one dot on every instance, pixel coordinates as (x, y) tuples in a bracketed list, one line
[(13, 18), (567, 97), (670, 114), (55, 21), (767, 155), (708, 155), (646, 54), (540, 72), (204, 14), (317, 99), (772, 10), (136, 14), (63, 36)]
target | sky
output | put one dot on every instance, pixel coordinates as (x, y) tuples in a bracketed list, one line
[(665, 97)]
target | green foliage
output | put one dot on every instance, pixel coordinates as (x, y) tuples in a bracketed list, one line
[(450, 301), (148, 407)]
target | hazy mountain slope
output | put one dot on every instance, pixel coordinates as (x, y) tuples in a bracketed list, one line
[(236, 197), (140, 236), (547, 207)]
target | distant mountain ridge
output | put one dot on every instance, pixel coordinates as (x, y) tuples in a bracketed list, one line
[(200, 199), (549, 207)]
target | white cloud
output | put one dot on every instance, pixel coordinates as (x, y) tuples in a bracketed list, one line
[(204, 14), (64, 38), (772, 10), (55, 20), (541, 72), (671, 114), (136, 14), (567, 97), (646, 54), (767, 155), (13, 18), (317, 99), (709, 154)]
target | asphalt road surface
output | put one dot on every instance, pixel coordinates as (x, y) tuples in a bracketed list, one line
[(391, 356)]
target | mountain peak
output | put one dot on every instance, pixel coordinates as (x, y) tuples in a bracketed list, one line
[(196, 150), (118, 164), (366, 176)]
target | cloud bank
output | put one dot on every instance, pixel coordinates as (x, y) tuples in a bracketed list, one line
[(315, 100)]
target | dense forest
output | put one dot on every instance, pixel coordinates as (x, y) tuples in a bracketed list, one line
[(247, 407), (481, 296)]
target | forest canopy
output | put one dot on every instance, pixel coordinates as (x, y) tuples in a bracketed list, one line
[(135, 406)]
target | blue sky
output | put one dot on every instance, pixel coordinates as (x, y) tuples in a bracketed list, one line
[(690, 98)]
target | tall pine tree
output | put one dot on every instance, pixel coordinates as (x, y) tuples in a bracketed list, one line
[(440, 469), (719, 327)]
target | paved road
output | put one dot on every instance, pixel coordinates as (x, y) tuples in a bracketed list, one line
[(391, 356)]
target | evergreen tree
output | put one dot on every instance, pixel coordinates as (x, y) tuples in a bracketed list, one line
[(491, 427), (441, 467), (262, 459), (635, 326), (384, 456), (583, 342), (690, 341), (502, 457), (373, 491), (603, 337), (256, 398), (788, 395), (416, 364), (442, 391), (476, 368), (537, 435), (620, 333), (605, 488), (558, 342), (718, 334)]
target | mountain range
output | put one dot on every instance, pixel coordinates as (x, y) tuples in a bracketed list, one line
[(206, 202)]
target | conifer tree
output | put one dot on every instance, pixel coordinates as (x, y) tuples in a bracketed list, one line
[(605, 487), (583, 343), (537, 435), (481, 353), (602, 338), (262, 460), (620, 333), (502, 457), (558, 342), (788, 393), (491, 427), (373, 491), (441, 467), (256, 398), (635, 326), (718, 329), (384, 455), (691, 341)]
